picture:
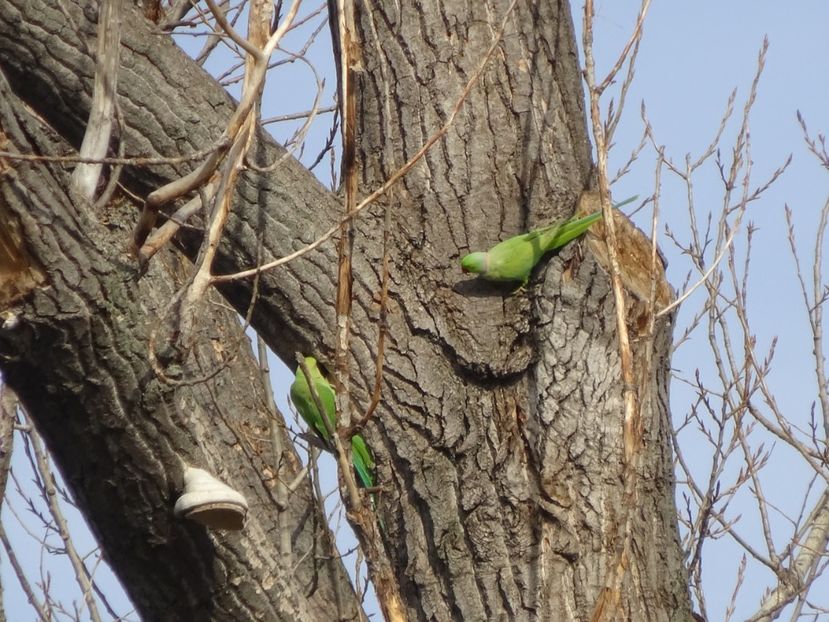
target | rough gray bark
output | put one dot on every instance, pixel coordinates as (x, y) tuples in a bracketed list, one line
[(503, 420), (285, 210), (75, 351), (498, 438)]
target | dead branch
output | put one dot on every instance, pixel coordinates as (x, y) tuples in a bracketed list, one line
[(102, 113)]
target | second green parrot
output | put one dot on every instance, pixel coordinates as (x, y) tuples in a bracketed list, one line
[(304, 402), (514, 259)]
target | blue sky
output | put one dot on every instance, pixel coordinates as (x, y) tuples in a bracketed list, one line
[(693, 54)]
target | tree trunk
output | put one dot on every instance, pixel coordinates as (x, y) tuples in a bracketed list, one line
[(499, 437), (503, 416), (74, 347)]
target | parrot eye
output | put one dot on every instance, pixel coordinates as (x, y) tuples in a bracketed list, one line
[(464, 269)]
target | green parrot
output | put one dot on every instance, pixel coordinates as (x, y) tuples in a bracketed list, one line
[(303, 401), (514, 259)]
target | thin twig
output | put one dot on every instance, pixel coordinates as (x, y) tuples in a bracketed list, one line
[(49, 490)]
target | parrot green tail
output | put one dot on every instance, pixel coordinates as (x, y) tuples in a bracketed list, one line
[(558, 236), (363, 461)]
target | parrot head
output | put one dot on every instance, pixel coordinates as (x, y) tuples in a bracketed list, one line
[(313, 368), (474, 262)]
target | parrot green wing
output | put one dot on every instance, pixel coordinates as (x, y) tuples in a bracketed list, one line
[(513, 259), (304, 402), (363, 461)]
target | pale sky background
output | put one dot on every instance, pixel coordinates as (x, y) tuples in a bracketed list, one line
[(693, 54)]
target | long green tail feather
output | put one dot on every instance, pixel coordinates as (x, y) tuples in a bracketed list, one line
[(569, 231), (626, 201), (575, 227), (363, 461)]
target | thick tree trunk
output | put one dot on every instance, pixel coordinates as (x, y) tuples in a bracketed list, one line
[(502, 420), (75, 349), (499, 434)]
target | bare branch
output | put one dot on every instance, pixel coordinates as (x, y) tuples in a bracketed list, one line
[(102, 113), (50, 494)]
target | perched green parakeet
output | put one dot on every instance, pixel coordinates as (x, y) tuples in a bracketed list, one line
[(514, 259), (304, 402)]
